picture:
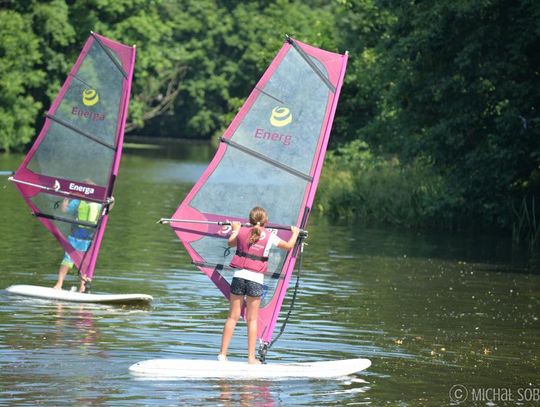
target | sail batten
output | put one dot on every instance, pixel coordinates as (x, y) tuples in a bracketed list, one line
[(81, 81), (267, 159), (111, 56), (67, 176), (82, 133), (270, 96), (67, 220), (226, 267), (313, 66), (271, 156)]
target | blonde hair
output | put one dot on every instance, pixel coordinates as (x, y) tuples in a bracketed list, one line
[(258, 218)]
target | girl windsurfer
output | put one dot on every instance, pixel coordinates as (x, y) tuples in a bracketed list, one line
[(250, 261)]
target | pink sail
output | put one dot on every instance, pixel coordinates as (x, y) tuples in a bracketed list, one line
[(271, 155), (77, 153)]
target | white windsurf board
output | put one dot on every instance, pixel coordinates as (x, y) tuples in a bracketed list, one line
[(196, 368), (50, 293)]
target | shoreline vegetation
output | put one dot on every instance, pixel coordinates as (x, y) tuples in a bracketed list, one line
[(357, 187), (361, 187), (437, 126)]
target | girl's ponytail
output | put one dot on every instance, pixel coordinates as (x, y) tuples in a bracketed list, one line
[(258, 218)]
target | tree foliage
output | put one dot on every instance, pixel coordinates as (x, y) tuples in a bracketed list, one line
[(457, 85), (450, 88), (196, 61), (19, 53)]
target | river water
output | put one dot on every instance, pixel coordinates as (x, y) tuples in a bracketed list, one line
[(444, 319)]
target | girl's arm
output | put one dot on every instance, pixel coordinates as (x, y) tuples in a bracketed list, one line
[(232, 237), (292, 241)]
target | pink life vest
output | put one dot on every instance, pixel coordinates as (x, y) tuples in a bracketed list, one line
[(250, 257)]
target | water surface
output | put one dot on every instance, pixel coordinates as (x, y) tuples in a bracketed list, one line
[(430, 311)]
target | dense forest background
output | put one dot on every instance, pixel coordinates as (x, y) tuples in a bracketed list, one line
[(438, 120)]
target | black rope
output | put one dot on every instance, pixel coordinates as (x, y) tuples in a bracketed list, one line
[(265, 346)]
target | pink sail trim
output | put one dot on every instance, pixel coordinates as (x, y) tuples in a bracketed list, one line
[(326, 71), (32, 184), (126, 55), (336, 66)]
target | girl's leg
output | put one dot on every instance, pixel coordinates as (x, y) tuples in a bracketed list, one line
[(234, 314), (252, 313)]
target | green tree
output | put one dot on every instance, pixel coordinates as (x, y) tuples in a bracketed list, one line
[(49, 37), (19, 54), (362, 27), (228, 45), (454, 85), (466, 93), (196, 61)]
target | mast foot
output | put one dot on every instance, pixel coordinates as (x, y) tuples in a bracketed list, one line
[(263, 350)]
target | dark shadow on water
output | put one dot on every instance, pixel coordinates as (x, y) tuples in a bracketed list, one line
[(496, 252), (173, 149)]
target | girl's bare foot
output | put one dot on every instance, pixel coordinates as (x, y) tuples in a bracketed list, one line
[(221, 358), (254, 361)]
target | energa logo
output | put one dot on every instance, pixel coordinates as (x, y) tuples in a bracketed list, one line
[(281, 116), (90, 97)]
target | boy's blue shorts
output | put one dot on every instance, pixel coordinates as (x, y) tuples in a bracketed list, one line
[(80, 245)]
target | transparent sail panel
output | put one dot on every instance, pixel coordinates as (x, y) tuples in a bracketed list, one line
[(68, 210), (67, 154), (287, 132), (92, 101), (241, 182)]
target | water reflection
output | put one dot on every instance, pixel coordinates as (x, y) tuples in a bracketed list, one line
[(246, 395), (75, 326), (429, 311), (177, 150)]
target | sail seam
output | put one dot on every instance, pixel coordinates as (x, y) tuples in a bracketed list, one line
[(269, 160), (111, 56), (82, 133), (315, 68)]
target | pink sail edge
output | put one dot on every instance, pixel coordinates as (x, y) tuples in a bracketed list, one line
[(271, 155), (77, 152)]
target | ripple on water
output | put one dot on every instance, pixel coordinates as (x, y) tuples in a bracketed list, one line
[(429, 311)]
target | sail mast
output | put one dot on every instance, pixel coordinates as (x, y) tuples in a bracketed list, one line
[(318, 164), (90, 264)]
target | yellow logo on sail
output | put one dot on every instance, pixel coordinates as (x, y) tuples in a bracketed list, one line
[(281, 116), (90, 97)]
